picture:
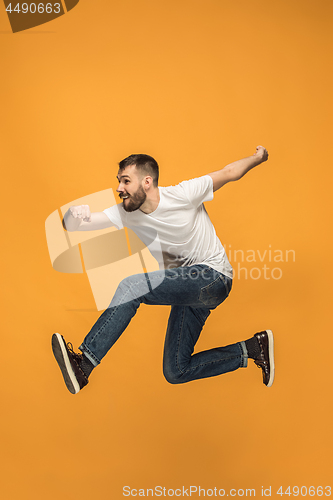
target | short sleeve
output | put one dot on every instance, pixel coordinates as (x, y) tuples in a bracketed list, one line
[(115, 216), (198, 190)]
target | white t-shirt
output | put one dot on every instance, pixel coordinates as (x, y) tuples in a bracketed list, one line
[(179, 232)]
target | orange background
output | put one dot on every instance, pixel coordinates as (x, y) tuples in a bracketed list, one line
[(196, 84)]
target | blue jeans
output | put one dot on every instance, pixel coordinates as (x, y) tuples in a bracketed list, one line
[(191, 292)]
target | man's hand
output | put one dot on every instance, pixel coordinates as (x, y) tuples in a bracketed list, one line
[(79, 218), (261, 153), (81, 212)]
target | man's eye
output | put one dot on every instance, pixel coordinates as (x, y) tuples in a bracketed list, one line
[(127, 181)]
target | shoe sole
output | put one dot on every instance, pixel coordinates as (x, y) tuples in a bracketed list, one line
[(271, 357), (61, 355)]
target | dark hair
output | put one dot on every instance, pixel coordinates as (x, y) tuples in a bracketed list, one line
[(144, 163)]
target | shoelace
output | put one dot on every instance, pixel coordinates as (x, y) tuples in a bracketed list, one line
[(77, 357), (258, 364)]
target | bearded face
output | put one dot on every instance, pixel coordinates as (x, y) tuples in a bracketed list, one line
[(133, 201)]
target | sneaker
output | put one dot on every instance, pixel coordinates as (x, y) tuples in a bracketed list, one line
[(266, 359), (69, 364)]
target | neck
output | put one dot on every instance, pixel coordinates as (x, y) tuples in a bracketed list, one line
[(152, 201)]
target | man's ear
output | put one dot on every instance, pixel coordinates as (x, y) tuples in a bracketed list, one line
[(148, 181)]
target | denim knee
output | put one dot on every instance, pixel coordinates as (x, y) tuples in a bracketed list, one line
[(129, 289), (172, 376), (125, 285)]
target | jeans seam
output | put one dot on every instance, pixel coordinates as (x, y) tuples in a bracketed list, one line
[(215, 361), (102, 328), (212, 283), (179, 338)]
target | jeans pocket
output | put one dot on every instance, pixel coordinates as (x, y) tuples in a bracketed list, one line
[(216, 292)]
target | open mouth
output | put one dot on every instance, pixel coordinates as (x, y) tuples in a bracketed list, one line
[(124, 197)]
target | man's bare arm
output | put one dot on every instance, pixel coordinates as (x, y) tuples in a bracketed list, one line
[(238, 169), (79, 218)]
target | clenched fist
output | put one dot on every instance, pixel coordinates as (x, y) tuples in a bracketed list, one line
[(81, 212), (261, 153)]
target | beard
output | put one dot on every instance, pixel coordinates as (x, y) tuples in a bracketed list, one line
[(135, 200)]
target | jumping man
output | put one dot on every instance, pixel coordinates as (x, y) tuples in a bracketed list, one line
[(195, 275)]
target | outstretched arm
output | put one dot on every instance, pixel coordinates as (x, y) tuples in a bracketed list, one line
[(79, 218), (237, 169)]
